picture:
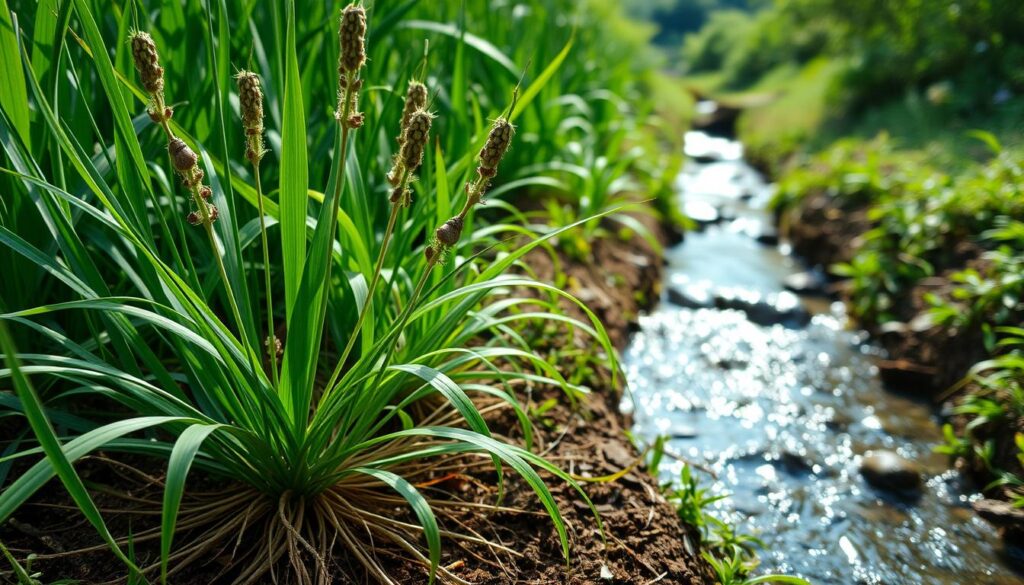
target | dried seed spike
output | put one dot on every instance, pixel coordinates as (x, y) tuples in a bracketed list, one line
[(415, 99), (147, 62), (352, 56), (415, 140), (498, 141), (449, 232), (183, 157), (352, 40), (250, 99)]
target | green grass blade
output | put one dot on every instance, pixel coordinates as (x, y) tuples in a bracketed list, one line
[(184, 453), (483, 46), (13, 93), (419, 505), (294, 172), (538, 84), (51, 445)]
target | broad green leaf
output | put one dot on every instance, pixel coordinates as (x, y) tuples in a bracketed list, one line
[(294, 172)]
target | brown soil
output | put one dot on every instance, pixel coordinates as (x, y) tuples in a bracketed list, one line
[(822, 232), (645, 540)]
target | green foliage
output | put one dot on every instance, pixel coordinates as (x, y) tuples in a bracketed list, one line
[(920, 218), (691, 500), (995, 402), (955, 446), (118, 301), (729, 551), (733, 570), (889, 46), (924, 71), (745, 46), (993, 295)]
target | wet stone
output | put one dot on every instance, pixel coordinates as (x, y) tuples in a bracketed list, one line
[(794, 463), (689, 297), (809, 282), (617, 454), (768, 238), (887, 470), (701, 212), (781, 309), (839, 422), (907, 376), (1000, 513)]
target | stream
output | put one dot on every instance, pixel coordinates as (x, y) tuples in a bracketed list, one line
[(774, 394)]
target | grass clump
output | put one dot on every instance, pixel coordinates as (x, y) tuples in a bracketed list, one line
[(316, 387)]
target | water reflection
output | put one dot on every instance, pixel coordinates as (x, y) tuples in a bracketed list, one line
[(783, 413)]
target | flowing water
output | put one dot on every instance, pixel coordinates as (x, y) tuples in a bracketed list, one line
[(783, 411)]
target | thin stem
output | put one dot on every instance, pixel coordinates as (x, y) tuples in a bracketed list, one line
[(404, 317), (271, 335), (205, 213), (208, 224), (370, 292)]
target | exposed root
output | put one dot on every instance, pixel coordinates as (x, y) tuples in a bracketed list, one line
[(298, 539)]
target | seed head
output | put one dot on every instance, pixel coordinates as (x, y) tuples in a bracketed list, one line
[(352, 38), (157, 116), (182, 156), (147, 62), (497, 144), (250, 99), (415, 99), (450, 231), (205, 192), (275, 343), (193, 218), (429, 252), (194, 178), (213, 211), (400, 194), (415, 139)]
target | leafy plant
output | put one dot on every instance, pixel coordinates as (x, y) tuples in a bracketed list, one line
[(733, 571), (954, 446), (729, 551), (317, 396)]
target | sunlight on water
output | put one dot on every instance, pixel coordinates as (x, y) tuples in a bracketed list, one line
[(783, 412)]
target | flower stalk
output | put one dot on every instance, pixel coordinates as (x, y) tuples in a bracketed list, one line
[(447, 235), (184, 160), (412, 142), (250, 98), (352, 57)]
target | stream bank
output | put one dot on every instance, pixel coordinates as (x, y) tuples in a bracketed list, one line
[(834, 471), (924, 358)]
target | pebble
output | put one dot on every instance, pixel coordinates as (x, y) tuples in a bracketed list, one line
[(808, 282), (701, 212), (689, 297), (768, 238), (783, 308), (887, 470), (684, 432)]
